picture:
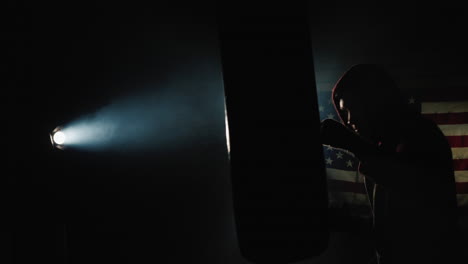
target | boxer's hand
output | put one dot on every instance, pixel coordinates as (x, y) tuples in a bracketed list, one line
[(337, 135)]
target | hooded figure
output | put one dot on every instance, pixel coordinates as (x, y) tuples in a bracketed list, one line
[(407, 165)]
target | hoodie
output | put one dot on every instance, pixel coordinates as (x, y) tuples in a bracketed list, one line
[(409, 177)]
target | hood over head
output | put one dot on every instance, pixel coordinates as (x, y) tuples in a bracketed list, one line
[(376, 104)]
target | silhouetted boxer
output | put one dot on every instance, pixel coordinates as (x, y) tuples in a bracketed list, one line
[(407, 164)]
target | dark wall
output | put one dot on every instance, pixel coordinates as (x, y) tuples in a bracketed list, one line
[(70, 59), (422, 46)]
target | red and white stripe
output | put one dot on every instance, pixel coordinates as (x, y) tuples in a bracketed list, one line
[(452, 119), (346, 188)]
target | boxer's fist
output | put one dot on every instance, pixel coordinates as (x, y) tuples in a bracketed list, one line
[(337, 135)]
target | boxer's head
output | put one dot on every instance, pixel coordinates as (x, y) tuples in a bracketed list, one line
[(369, 102)]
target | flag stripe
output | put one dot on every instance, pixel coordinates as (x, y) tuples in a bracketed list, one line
[(448, 118), (343, 175), (334, 174), (460, 164), (454, 130), (444, 107), (458, 141), (462, 201), (346, 186), (462, 187), (337, 199), (460, 153), (461, 176)]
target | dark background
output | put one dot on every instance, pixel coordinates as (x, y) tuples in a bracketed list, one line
[(69, 59), (174, 207)]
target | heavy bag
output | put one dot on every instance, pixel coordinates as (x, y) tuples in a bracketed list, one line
[(276, 158)]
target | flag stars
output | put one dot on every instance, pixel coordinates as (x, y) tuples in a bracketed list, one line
[(411, 100), (329, 161), (331, 116), (339, 155), (330, 148), (349, 164), (321, 108)]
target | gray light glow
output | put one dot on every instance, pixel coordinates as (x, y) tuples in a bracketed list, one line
[(179, 112)]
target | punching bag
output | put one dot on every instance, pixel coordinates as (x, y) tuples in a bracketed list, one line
[(276, 158)]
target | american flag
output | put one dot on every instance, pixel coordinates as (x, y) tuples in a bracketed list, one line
[(346, 186), (450, 113)]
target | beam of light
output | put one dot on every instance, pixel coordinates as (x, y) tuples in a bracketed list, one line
[(185, 113), (228, 140)]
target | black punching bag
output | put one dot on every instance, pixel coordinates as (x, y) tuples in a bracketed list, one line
[(276, 158)]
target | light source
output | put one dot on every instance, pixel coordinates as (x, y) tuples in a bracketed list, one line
[(58, 138)]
